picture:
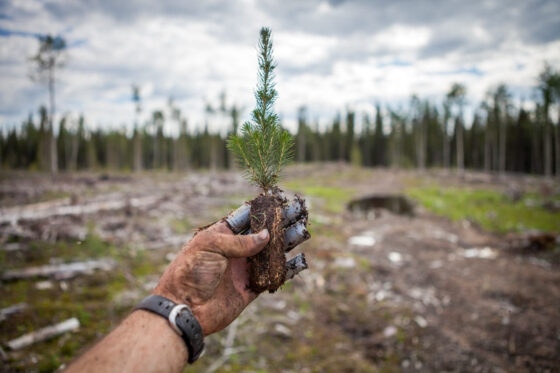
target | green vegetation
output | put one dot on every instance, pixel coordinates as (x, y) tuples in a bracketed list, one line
[(502, 136), (93, 299), (335, 198), (264, 148), (488, 208), (41, 252), (181, 226), (50, 195)]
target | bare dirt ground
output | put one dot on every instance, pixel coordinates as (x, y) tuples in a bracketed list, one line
[(385, 292)]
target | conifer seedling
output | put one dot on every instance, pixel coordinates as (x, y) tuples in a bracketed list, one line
[(263, 149)]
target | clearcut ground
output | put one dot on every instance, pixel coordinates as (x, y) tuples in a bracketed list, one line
[(450, 288)]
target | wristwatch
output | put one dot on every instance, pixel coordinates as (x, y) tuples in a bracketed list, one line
[(181, 319)]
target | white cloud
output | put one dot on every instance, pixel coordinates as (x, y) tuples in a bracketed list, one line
[(401, 37), (331, 56)]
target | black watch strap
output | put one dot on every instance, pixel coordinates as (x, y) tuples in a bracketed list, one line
[(182, 321)]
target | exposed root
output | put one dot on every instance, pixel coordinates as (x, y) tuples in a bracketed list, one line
[(268, 268)]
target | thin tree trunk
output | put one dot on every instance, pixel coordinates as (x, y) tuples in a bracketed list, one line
[(137, 150), (91, 155), (503, 142), (547, 143), (397, 147), (163, 151), (460, 147), (535, 153), (42, 152), (180, 162), (184, 147), (301, 145), (496, 145), (155, 156), (446, 153), (487, 148), (424, 144), (176, 155), (420, 145), (73, 161), (110, 154), (53, 156), (213, 154), (557, 136)]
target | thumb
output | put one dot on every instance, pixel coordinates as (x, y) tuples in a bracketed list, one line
[(237, 246)]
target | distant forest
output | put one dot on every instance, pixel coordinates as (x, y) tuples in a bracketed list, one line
[(503, 137)]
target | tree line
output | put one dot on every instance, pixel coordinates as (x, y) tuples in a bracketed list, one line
[(502, 137)]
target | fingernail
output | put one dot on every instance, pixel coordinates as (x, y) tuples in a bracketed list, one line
[(263, 235)]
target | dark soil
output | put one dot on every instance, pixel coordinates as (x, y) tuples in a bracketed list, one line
[(268, 267), (397, 204)]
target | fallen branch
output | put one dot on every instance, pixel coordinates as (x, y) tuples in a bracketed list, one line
[(44, 334), (5, 312), (60, 271), (12, 246), (40, 211)]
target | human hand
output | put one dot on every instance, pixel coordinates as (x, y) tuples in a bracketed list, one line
[(210, 273)]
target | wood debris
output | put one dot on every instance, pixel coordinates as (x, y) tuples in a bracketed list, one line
[(44, 334), (5, 312), (60, 271), (42, 211)]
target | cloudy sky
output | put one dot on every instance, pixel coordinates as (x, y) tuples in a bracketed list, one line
[(331, 55)]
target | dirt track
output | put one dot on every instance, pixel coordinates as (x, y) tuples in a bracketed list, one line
[(385, 292)]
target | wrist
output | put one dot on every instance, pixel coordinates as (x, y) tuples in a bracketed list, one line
[(183, 300), (172, 297), (155, 325), (179, 319)]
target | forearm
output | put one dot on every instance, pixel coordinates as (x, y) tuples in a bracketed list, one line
[(143, 342), (210, 274)]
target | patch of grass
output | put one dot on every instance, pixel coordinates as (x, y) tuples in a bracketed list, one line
[(14, 292), (52, 195), (363, 263), (88, 297), (117, 285), (49, 363), (304, 306), (287, 287), (41, 252), (181, 226), (144, 269), (488, 208), (335, 198)]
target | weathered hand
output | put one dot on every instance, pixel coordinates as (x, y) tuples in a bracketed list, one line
[(210, 275)]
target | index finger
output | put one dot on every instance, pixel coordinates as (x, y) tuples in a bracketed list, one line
[(237, 246)]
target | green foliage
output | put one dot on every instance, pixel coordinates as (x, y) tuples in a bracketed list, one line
[(488, 208), (356, 156), (503, 136), (335, 198), (263, 148), (49, 55)]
